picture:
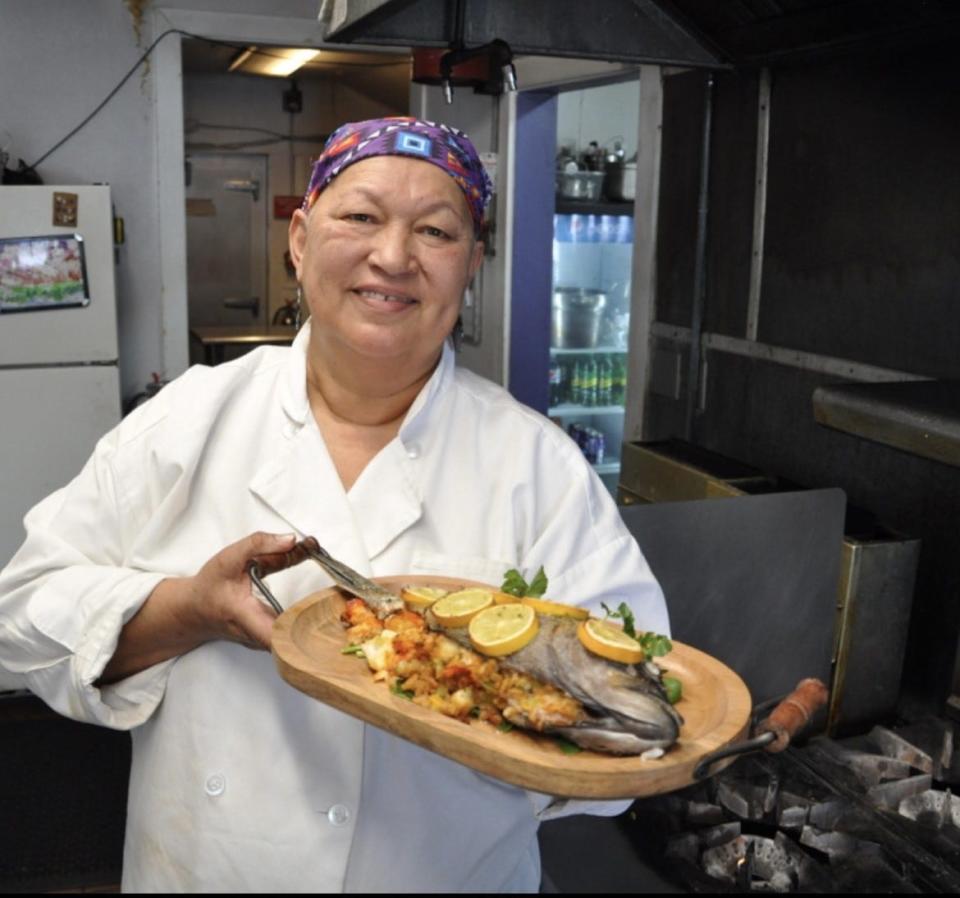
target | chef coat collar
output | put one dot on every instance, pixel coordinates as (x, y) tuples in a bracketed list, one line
[(294, 399)]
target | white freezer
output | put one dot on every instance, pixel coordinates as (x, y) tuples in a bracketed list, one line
[(52, 418), (80, 334), (59, 381)]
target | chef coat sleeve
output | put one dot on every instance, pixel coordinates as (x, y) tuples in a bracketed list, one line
[(592, 559), (66, 594)]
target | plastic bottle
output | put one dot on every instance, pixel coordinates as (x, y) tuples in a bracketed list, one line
[(619, 385), (590, 382), (576, 383), (556, 381), (605, 381)]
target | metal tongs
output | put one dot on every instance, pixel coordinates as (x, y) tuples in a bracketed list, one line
[(382, 600), (774, 732)]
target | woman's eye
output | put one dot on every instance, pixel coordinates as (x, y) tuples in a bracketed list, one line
[(431, 231), (358, 216)]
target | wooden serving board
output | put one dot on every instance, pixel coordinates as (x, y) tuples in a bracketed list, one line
[(307, 642)]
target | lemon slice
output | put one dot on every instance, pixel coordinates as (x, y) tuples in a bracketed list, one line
[(420, 597), (542, 606), (609, 641), (504, 598), (503, 629), (456, 608)]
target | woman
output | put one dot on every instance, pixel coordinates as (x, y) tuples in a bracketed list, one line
[(122, 608)]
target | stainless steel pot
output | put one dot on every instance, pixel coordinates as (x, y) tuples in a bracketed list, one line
[(580, 185), (575, 317), (621, 183)]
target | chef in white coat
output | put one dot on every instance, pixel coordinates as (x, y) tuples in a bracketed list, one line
[(129, 605)]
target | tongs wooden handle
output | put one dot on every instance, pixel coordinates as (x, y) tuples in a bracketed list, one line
[(774, 732)]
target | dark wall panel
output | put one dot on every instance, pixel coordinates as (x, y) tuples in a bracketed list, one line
[(862, 257), (730, 216), (683, 97)]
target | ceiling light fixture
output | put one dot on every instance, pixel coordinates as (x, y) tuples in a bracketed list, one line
[(278, 62)]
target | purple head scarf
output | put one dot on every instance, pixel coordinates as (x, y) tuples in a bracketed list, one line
[(440, 145)]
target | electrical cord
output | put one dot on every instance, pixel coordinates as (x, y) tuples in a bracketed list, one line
[(143, 57)]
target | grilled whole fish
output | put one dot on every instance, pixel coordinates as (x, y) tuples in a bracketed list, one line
[(627, 708)]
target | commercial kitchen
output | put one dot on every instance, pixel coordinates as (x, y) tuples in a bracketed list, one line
[(722, 255)]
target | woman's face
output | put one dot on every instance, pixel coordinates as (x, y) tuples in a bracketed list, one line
[(383, 258)]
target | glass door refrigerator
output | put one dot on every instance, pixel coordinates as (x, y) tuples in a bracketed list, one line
[(589, 321), (572, 261)]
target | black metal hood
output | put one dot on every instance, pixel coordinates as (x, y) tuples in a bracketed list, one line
[(703, 33), (632, 31)]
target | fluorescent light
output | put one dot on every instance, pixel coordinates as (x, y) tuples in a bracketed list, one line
[(289, 61), (276, 61)]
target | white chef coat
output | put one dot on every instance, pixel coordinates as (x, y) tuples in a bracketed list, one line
[(239, 782)]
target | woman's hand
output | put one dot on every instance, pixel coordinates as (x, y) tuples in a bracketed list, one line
[(221, 592), (218, 602)]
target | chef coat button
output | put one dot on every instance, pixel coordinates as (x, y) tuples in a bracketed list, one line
[(413, 451), (338, 815), (215, 785)]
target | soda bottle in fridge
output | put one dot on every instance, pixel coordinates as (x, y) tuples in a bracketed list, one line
[(590, 382), (556, 382), (604, 381)]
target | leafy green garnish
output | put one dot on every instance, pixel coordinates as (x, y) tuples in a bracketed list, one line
[(505, 726), (674, 689), (397, 689), (653, 644), (623, 611), (538, 586), (352, 650), (515, 585), (568, 748)]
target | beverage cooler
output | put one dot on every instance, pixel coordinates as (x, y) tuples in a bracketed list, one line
[(572, 259), (589, 320)]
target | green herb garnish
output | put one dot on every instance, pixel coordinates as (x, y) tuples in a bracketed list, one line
[(625, 614), (352, 650), (397, 689), (505, 726), (568, 748), (653, 644), (515, 585), (674, 689)]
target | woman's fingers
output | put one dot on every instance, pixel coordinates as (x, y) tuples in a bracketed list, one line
[(255, 547)]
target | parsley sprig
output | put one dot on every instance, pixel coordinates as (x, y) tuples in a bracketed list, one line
[(515, 585), (653, 644)]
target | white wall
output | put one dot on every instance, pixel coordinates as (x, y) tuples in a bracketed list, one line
[(604, 114), (58, 60)]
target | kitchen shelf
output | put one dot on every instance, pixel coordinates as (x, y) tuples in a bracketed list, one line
[(593, 207), (613, 350), (610, 466), (568, 409)]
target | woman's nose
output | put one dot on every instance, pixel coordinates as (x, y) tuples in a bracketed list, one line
[(392, 250)]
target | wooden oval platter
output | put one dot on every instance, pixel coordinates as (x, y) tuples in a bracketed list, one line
[(307, 642)]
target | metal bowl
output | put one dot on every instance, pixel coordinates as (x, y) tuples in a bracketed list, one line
[(580, 185), (575, 317)]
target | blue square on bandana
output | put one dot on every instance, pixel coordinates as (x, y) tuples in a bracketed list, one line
[(413, 143)]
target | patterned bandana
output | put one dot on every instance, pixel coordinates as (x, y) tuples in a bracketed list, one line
[(441, 145)]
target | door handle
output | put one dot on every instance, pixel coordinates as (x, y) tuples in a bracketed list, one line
[(253, 304)]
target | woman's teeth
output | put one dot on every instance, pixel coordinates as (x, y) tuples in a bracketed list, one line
[(385, 297)]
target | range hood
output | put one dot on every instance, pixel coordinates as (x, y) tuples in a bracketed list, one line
[(630, 31)]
